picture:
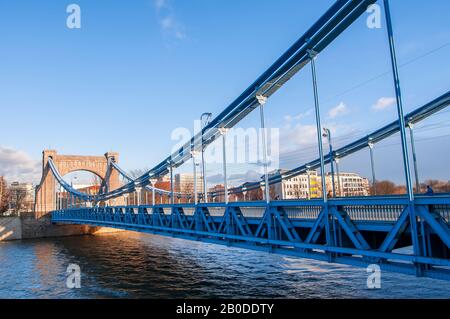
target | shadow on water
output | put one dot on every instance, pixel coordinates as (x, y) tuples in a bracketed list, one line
[(132, 265)]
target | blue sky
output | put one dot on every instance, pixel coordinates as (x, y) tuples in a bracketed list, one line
[(136, 70)]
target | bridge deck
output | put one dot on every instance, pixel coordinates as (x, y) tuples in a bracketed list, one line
[(357, 231)]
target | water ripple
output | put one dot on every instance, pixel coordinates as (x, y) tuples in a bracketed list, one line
[(131, 265)]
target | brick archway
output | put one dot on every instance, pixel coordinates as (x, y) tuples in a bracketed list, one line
[(98, 165)]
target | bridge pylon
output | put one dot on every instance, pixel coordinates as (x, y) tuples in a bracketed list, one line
[(45, 201)]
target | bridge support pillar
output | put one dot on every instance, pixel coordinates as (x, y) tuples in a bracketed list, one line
[(46, 191)]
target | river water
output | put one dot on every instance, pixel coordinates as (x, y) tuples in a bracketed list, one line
[(131, 265)]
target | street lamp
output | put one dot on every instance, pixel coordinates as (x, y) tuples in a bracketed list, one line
[(224, 131), (72, 199), (71, 181), (413, 149), (338, 175), (194, 154), (372, 165), (172, 199), (327, 134), (262, 101), (205, 118)]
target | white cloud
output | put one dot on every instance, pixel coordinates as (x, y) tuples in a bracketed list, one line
[(291, 118), (383, 103), (339, 109), (300, 135), (16, 165), (167, 23), (303, 138), (248, 176), (159, 4), (167, 20), (298, 117)]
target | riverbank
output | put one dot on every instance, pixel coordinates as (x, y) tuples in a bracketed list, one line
[(28, 227)]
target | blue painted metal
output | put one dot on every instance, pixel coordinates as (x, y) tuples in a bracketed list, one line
[(355, 231), (401, 120), (275, 231), (416, 116), (341, 14), (394, 235)]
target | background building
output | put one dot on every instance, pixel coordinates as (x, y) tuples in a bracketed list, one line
[(303, 186), (348, 184), (184, 183), (21, 197), (308, 185)]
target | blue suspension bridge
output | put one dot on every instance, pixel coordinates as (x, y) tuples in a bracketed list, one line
[(357, 231)]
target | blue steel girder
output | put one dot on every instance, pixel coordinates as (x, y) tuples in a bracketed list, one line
[(202, 220), (159, 218), (436, 223), (398, 230), (118, 214), (275, 223), (143, 216), (130, 215), (179, 219), (277, 232), (105, 182), (316, 229), (234, 223), (350, 229), (329, 26), (415, 116)]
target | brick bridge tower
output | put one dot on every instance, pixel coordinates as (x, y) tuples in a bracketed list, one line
[(98, 165)]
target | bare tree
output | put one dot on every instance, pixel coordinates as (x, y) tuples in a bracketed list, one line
[(4, 195), (438, 186), (273, 193), (255, 194), (17, 198)]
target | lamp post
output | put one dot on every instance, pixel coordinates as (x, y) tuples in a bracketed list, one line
[(401, 122), (372, 165), (262, 101), (153, 183), (172, 199), (138, 196), (308, 173), (194, 165), (312, 55), (327, 134), (224, 131), (413, 149), (205, 118), (338, 175)]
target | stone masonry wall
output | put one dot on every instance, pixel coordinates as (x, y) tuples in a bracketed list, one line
[(27, 227)]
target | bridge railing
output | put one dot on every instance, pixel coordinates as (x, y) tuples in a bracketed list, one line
[(358, 209)]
